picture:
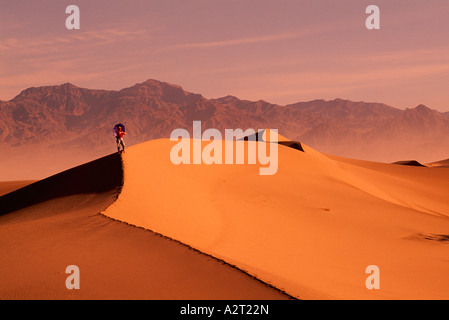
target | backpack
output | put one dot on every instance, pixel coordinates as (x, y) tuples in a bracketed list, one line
[(117, 126)]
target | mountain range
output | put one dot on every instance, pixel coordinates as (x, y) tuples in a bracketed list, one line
[(49, 128)]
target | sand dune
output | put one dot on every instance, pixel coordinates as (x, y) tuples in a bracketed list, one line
[(268, 135), (442, 163), (311, 229), (409, 163), (48, 225), (10, 186)]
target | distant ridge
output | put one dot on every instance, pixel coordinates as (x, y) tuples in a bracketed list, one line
[(69, 119)]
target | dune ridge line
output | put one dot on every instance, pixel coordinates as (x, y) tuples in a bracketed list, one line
[(103, 213), (317, 223)]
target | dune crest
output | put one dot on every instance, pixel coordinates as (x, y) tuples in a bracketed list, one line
[(409, 163), (310, 230), (50, 224), (442, 163)]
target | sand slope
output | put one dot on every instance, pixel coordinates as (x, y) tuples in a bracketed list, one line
[(311, 229), (53, 223), (10, 186), (442, 163)]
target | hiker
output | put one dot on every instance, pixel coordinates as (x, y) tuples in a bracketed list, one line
[(119, 132)]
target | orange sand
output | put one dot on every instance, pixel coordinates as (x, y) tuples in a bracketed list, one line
[(55, 222), (311, 229)]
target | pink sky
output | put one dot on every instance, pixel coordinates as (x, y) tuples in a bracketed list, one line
[(281, 51)]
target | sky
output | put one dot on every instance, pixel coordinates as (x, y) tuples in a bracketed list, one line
[(280, 51)]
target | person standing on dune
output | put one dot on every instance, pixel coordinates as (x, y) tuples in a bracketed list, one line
[(119, 132)]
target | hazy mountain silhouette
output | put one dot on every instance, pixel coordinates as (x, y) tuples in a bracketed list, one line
[(66, 119)]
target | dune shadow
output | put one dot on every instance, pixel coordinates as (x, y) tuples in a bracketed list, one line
[(444, 238), (412, 163), (292, 144), (98, 176), (439, 238), (258, 137)]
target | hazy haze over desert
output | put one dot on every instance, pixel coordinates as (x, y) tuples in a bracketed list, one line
[(275, 150), (61, 126)]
